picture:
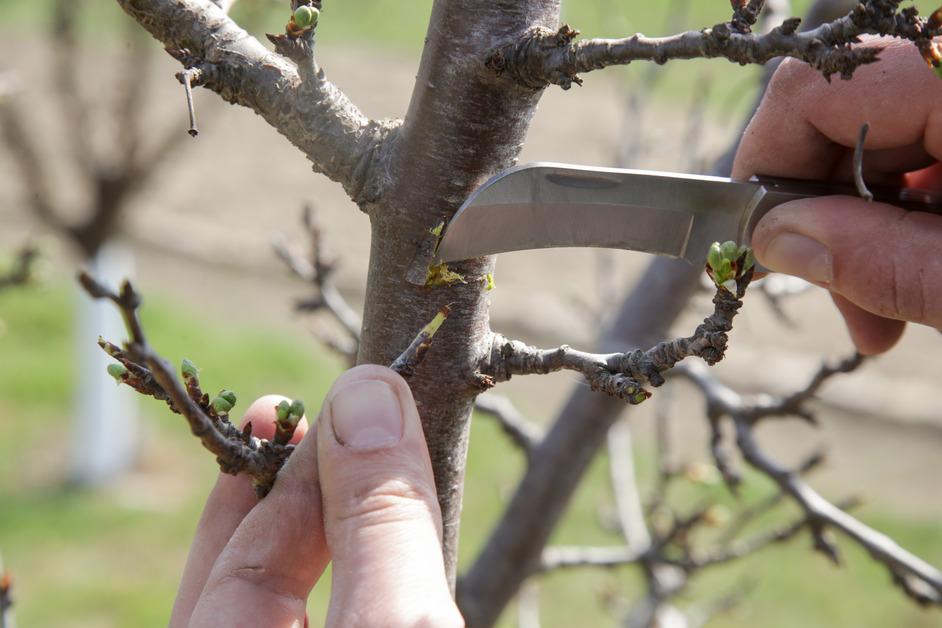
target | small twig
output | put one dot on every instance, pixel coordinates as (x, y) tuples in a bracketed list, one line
[(862, 190), (318, 272), (413, 355), (543, 56), (22, 270), (564, 557), (748, 514), (918, 579), (666, 469), (517, 427), (623, 375), (740, 549), (236, 451), (187, 77), (151, 374), (621, 466)]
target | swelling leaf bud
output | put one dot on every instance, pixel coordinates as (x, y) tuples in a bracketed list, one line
[(305, 16), (221, 405), (297, 408), (229, 396), (283, 409), (118, 372), (189, 369)]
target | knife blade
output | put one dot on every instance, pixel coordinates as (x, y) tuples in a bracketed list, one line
[(544, 205)]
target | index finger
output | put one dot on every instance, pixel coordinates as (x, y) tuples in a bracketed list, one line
[(807, 127), (227, 505)]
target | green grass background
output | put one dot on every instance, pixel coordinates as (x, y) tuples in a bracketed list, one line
[(99, 558)]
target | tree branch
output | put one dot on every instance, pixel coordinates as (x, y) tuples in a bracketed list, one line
[(297, 100), (150, 374), (518, 428), (317, 270), (918, 579), (544, 57), (622, 375), (236, 451)]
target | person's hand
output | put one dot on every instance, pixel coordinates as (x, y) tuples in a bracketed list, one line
[(882, 265), (358, 491)]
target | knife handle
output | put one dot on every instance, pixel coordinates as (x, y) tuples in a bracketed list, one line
[(910, 199)]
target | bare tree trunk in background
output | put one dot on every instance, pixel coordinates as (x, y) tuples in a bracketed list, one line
[(513, 550)]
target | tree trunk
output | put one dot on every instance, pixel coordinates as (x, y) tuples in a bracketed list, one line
[(464, 124)]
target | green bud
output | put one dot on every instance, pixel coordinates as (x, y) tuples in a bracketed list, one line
[(297, 408), (305, 16), (283, 409), (221, 405), (729, 250), (117, 371), (750, 259), (724, 270), (189, 369), (639, 398), (714, 255), (229, 396)]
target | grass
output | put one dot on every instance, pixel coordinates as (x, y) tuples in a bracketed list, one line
[(112, 557)]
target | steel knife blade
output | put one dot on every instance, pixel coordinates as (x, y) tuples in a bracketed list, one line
[(544, 205)]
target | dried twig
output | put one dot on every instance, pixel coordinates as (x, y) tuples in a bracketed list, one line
[(187, 77), (862, 190), (543, 56), (518, 428)]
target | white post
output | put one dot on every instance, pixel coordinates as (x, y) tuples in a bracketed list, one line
[(106, 431)]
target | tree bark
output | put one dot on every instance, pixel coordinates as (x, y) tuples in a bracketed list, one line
[(464, 124)]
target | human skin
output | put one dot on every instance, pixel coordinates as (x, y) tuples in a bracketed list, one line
[(357, 491), (882, 265)]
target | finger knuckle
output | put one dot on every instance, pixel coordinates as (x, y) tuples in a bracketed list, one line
[(390, 500)]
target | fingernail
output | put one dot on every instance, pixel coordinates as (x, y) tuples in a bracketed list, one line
[(795, 254), (366, 415)]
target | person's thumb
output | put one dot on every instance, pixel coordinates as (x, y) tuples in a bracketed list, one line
[(381, 515), (879, 258)]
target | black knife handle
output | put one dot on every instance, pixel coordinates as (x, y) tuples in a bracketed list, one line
[(911, 199)]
